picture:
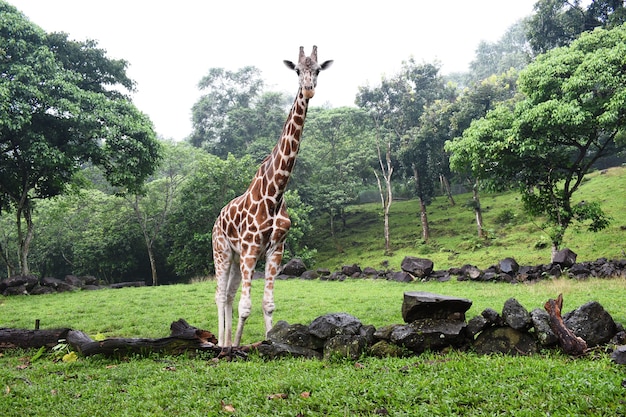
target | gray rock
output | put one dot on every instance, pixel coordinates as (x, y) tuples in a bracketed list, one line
[(418, 267), (430, 334), (565, 258), (476, 325), (505, 340), (508, 266), (541, 323), (334, 324), (351, 270), (592, 323), (295, 267), (423, 305), (493, 317), (345, 346), (619, 355), (294, 335), (401, 277), (515, 315), (272, 350)]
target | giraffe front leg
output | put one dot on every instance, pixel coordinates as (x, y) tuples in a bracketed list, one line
[(245, 301), (271, 270)]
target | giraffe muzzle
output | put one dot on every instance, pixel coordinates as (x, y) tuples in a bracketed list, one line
[(308, 92)]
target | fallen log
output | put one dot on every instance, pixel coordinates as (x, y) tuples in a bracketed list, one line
[(569, 342), (183, 338), (26, 339)]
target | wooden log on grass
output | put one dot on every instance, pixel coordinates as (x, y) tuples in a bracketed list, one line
[(569, 342), (183, 338), (26, 339)]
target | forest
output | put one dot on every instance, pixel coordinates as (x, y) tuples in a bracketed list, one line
[(87, 187)]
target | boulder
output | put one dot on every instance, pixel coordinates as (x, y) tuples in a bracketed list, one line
[(476, 325), (295, 267), (353, 270), (27, 281), (422, 305), (294, 335), (541, 323), (565, 258), (508, 266), (345, 346), (430, 334), (505, 340), (57, 284), (401, 277), (74, 281), (334, 324), (592, 323), (493, 317), (418, 267), (619, 355), (515, 315), (309, 275), (270, 350)]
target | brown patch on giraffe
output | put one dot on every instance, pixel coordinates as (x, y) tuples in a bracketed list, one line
[(297, 135), (269, 284), (298, 120)]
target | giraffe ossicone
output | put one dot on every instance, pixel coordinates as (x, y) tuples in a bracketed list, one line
[(255, 224)]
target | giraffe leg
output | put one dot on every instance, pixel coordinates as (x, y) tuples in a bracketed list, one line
[(245, 302), (228, 279), (271, 270)]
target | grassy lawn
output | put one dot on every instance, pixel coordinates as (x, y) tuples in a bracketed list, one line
[(451, 383)]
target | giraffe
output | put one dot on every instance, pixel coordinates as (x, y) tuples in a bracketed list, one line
[(256, 223)]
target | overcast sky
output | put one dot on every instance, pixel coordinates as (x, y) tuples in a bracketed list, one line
[(170, 45)]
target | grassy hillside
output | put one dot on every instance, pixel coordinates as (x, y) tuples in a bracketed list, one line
[(454, 240)]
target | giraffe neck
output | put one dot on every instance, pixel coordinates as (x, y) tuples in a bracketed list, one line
[(273, 175)]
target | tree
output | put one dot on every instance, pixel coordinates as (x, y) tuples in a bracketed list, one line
[(557, 23), (62, 106), (211, 185), (334, 159), (225, 91), (573, 114), (153, 204)]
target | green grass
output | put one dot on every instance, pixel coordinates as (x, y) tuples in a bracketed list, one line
[(454, 240), (453, 383)]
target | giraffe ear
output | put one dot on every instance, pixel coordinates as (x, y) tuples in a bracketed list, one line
[(327, 64), (289, 64)]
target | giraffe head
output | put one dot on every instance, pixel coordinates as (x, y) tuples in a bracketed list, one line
[(307, 70)]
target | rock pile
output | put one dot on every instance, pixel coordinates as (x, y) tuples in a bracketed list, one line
[(436, 322), (31, 285), (507, 270)]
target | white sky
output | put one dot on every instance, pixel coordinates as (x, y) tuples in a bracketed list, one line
[(171, 45)]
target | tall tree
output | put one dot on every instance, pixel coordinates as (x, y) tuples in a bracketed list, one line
[(557, 23), (573, 114), (57, 114), (224, 91)]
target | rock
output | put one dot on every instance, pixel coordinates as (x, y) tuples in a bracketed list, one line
[(579, 271), (441, 276), (370, 272), (565, 258), (541, 323), (430, 334), (272, 350), (294, 335), (515, 315), (27, 281), (57, 284), (309, 275), (74, 281), (592, 323), (384, 349), (476, 325), (15, 290), (345, 346), (40, 289), (90, 280), (295, 267), (334, 324), (421, 305), (508, 266), (351, 270), (504, 340), (418, 267), (619, 355), (493, 317), (401, 277), (471, 272)]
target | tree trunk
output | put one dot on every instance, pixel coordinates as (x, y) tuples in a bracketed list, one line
[(478, 211), (571, 344), (424, 220), (446, 188), (153, 266), (24, 239)]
